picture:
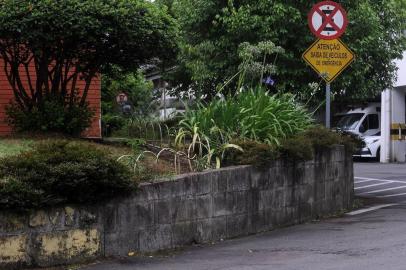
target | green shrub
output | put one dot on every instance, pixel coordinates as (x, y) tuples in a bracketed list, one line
[(299, 147), (53, 115), (254, 153), (112, 123), (60, 171), (303, 145)]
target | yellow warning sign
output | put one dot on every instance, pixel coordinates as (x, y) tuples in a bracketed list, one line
[(328, 58)]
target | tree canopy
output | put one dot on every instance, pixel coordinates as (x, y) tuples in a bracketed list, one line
[(76, 39), (213, 30)]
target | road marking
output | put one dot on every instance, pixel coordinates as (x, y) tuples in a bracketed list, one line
[(373, 208), (382, 190), (380, 180), (374, 185), (392, 195), (363, 181)]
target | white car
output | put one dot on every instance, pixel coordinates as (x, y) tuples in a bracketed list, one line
[(372, 147), (365, 123)]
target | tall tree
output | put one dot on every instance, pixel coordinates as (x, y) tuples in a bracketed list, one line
[(212, 31), (67, 40)]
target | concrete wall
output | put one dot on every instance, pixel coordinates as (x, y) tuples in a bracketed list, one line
[(193, 208)]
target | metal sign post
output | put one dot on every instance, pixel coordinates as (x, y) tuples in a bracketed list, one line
[(328, 102), (328, 55)]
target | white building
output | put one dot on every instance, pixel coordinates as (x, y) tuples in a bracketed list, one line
[(393, 115)]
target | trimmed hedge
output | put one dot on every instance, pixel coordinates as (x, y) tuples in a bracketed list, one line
[(59, 172)]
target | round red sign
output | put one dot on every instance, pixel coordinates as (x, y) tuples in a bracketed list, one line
[(328, 20)]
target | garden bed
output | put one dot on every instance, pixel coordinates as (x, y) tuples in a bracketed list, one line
[(12, 146)]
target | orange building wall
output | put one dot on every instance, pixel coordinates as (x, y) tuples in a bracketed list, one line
[(94, 96)]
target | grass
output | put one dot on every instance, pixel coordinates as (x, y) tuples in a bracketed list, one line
[(14, 146)]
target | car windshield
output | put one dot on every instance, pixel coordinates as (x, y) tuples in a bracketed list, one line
[(349, 121)]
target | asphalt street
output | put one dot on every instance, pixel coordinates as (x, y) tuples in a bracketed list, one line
[(386, 182), (372, 240)]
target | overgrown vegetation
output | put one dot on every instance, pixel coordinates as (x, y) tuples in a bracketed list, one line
[(59, 171), (249, 127), (251, 115)]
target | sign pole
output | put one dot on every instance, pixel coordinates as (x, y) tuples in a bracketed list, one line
[(328, 104), (328, 54)]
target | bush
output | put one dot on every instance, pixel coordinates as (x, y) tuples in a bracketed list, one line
[(303, 145), (299, 147), (53, 115), (254, 153), (60, 171)]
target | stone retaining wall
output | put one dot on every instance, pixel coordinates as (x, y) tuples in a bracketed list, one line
[(192, 208)]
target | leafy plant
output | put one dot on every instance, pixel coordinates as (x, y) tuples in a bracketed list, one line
[(251, 115), (149, 129), (255, 63), (133, 159)]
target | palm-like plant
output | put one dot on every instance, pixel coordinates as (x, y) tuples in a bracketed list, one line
[(252, 114)]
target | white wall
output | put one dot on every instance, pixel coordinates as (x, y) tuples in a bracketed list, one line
[(393, 111)]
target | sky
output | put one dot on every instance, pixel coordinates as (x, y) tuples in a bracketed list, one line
[(402, 71)]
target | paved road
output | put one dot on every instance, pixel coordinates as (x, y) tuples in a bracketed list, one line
[(386, 182), (374, 240)]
